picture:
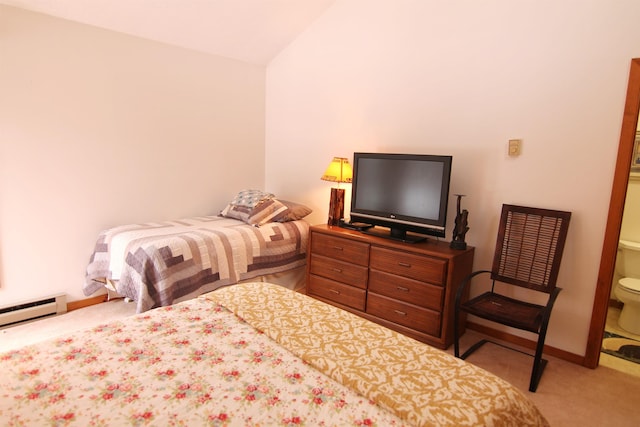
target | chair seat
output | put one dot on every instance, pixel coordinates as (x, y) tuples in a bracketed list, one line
[(508, 311)]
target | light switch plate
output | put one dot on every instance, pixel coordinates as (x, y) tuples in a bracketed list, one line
[(515, 147)]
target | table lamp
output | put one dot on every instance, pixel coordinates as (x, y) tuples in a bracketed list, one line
[(339, 170)]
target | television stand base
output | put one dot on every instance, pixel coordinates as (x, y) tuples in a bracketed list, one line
[(358, 226), (401, 237)]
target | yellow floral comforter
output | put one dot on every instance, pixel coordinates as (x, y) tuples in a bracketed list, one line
[(282, 359)]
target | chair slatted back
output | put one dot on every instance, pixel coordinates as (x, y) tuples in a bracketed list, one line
[(530, 246)]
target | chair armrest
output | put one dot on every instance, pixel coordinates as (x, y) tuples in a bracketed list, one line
[(546, 313), (466, 282)]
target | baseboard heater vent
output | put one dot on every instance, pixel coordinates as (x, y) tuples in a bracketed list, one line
[(32, 310)]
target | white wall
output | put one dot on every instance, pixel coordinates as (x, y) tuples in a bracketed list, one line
[(99, 129), (462, 78)]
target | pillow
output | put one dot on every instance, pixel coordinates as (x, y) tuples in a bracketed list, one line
[(254, 207), (295, 211), (250, 198), (266, 211)]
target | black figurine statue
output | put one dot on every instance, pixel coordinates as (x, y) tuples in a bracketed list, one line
[(460, 228)]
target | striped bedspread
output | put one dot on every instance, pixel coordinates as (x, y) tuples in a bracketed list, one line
[(158, 264)]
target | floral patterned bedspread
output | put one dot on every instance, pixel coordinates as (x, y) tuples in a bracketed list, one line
[(197, 363), (191, 364)]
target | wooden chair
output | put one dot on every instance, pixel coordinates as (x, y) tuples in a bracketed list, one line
[(527, 254)]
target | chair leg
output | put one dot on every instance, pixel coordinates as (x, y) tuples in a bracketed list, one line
[(473, 348), (456, 335), (460, 295), (536, 374), (456, 342), (538, 362)]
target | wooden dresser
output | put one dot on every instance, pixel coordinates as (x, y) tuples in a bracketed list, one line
[(408, 287)]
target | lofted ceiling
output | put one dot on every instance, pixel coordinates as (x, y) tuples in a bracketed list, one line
[(253, 31)]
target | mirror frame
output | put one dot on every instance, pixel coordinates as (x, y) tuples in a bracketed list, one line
[(614, 220)]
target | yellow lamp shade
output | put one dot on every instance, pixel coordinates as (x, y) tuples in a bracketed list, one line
[(339, 170)]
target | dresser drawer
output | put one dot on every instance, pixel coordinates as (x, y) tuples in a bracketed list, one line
[(407, 290), (418, 267), (337, 292), (340, 271), (411, 316), (342, 249)]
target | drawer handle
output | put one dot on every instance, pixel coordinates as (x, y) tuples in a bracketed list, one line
[(337, 270), (338, 248), (333, 291), (404, 264), (402, 289), (400, 313)]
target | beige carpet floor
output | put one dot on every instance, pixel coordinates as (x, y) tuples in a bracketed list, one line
[(568, 395)]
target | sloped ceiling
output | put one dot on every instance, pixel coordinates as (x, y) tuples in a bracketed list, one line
[(253, 31)]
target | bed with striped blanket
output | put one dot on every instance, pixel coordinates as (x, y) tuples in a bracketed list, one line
[(161, 263)]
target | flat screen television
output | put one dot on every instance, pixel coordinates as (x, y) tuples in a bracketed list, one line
[(406, 193)]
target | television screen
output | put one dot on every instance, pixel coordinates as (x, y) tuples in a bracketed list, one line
[(404, 192)]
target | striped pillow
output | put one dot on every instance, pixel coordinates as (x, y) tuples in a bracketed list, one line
[(254, 207)]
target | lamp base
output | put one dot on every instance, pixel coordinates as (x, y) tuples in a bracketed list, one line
[(336, 206)]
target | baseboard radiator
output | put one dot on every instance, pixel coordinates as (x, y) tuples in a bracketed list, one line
[(31, 310)]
